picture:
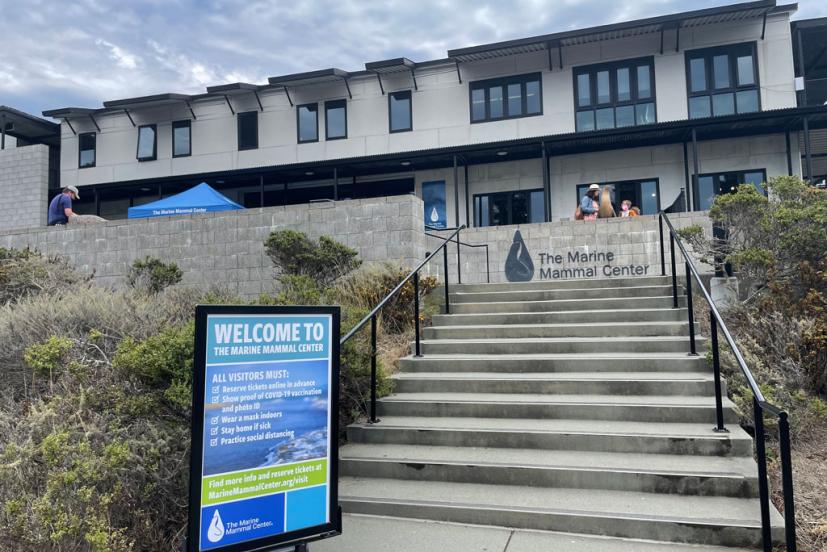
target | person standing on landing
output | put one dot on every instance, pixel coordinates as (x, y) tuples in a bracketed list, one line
[(60, 209), (588, 204)]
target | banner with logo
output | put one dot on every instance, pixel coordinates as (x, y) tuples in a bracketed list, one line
[(264, 432), (433, 197)]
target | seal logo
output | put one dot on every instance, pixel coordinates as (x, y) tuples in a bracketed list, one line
[(518, 265), (216, 531)]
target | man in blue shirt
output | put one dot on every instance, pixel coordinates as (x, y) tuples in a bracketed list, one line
[(60, 209)]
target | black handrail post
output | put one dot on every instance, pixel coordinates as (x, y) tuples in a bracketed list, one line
[(662, 254), (763, 485), (459, 263), (674, 276), (690, 311), (487, 265), (417, 350), (716, 366), (445, 262), (373, 419), (787, 480)]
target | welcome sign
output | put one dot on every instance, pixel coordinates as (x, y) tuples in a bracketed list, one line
[(265, 429)]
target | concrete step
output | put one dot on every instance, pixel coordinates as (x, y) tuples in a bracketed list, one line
[(587, 383), (560, 305), (391, 534), (564, 317), (648, 408), (555, 434), (581, 345), (676, 518), (652, 473), (604, 329), (569, 284), (605, 363), (588, 291)]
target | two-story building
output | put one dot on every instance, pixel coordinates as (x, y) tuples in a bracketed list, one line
[(670, 110)]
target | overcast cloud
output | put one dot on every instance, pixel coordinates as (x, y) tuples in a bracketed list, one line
[(81, 52)]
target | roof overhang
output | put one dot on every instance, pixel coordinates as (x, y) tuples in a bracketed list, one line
[(395, 65), (27, 127), (234, 88), (70, 112), (652, 25), (310, 77), (147, 101)]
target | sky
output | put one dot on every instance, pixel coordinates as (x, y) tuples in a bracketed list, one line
[(79, 53)]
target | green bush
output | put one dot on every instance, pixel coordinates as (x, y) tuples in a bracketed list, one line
[(25, 273), (153, 275), (294, 254), (48, 356)]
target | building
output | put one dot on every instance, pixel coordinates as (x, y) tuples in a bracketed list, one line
[(671, 110)]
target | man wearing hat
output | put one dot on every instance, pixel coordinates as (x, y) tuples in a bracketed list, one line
[(60, 209)]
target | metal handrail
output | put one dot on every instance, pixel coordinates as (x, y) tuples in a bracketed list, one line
[(760, 404), (371, 316), (487, 258)]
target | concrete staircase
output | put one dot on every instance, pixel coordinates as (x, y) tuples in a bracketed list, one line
[(566, 406)]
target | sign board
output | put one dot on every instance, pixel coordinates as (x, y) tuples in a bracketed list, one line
[(433, 197), (264, 428)]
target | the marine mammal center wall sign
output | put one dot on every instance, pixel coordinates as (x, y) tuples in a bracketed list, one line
[(264, 428), (576, 263)]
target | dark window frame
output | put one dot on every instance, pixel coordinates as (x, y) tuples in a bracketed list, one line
[(249, 116), (181, 124), (332, 104), (487, 84), (510, 194), (154, 155), (94, 136), (613, 103), (409, 95), (732, 51), (298, 123), (637, 181), (696, 185)]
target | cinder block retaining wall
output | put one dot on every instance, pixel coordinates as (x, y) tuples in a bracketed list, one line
[(227, 248), (24, 182), (571, 249)]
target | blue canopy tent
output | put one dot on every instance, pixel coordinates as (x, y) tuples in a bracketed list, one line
[(200, 199)]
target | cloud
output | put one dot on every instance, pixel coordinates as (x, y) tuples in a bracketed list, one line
[(58, 53)]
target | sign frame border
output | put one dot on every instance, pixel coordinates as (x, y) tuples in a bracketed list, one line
[(288, 538)]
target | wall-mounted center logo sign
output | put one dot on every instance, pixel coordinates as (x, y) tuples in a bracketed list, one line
[(518, 266)]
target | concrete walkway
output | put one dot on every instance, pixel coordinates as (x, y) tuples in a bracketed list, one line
[(386, 534)]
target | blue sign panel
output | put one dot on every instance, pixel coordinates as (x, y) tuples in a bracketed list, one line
[(433, 196), (265, 430)]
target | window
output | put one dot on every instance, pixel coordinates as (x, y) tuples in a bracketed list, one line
[(335, 119), (722, 81), (308, 122), (147, 143), (711, 185), (644, 194), (614, 95), (400, 112), (518, 207), (181, 139), (86, 150), (248, 130), (506, 98)]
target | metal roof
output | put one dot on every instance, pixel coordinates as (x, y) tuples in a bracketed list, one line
[(67, 112), (142, 101), (612, 31), (27, 127), (395, 65), (310, 77), (235, 88)]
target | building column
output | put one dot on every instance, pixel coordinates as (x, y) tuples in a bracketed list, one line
[(807, 155), (456, 193), (696, 169), (789, 153), (467, 203), (261, 191), (335, 184), (3, 133), (546, 184)]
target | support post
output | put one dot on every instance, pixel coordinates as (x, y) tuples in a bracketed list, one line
[(662, 249), (261, 191), (3, 133), (373, 419), (789, 152), (807, 155), (716, 367), (695, 167), (690, 311), (456, 193), (674, 275), (467, 201), (335, 184), (763, 484), (787, 481), (686, 176), (98, 202), (546, 184), (418, 349)]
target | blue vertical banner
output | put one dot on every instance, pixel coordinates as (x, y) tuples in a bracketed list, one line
[(433, 196), (265, 427)]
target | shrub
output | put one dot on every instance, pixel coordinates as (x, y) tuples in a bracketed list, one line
[(152, 275), (24, 273), (294, 254)]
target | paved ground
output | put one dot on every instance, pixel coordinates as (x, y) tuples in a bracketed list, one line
[(385, 534)]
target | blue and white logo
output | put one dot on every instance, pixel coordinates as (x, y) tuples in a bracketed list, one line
[(216, 531)]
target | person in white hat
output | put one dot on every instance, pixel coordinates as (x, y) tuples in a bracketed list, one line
[(589, 205), (60, 209)]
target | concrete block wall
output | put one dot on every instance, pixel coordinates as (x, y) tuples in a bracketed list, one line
[(24, 187), (227, 248), (634, 245)]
